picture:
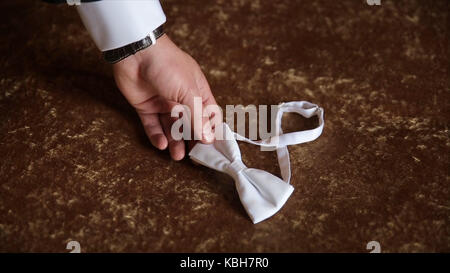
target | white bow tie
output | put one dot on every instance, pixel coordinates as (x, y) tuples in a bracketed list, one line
[(262, 194)]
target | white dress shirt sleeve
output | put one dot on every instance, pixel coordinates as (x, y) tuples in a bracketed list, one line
[(116, 23)]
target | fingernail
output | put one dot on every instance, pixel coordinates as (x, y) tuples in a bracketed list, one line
[(209, 137)]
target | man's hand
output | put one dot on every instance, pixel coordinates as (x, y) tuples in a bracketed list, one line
[(156, 79)]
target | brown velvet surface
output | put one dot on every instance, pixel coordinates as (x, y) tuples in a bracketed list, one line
[(76, 165)]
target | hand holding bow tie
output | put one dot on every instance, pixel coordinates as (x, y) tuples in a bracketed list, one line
[(261, 193)]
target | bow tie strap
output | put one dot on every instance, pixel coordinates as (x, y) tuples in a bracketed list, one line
[(280, 141), (304, 108)]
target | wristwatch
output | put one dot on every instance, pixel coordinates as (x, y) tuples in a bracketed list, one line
[(116, 55)]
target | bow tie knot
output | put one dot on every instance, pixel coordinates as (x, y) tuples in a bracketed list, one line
[(235, 167)]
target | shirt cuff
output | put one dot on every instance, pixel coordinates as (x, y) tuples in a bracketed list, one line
[(116, 23)]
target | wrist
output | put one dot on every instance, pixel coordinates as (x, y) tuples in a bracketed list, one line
[(145, 60), (153, 58), (118, 54)]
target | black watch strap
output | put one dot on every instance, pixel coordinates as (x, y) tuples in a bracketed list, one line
[(118, 54)]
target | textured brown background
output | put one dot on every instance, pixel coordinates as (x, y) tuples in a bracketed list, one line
[(76, 165)]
